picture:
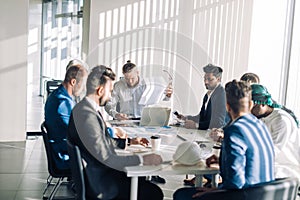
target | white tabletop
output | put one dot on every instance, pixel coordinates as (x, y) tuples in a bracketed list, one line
[(171, 138)]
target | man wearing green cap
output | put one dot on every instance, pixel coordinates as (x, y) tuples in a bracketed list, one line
[(283, 126)]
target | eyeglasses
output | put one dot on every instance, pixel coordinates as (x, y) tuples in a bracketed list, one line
[(208, 79)]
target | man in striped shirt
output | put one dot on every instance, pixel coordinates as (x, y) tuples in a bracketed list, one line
[(247, 153)]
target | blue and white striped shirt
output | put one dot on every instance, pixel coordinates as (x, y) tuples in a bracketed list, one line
[(247, 155)]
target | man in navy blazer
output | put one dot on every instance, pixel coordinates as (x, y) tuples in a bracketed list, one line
[(104, 170)]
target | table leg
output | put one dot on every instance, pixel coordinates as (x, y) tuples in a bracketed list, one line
[(214, 180), (134, 188), (198, 180)]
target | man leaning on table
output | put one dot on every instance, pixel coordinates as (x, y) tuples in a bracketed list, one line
[(126, 98), (105, 178), (247, 147)]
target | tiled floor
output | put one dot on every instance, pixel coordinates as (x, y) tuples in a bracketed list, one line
[(23, 171)]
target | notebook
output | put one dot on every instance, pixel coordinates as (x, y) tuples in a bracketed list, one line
[(155, 116)]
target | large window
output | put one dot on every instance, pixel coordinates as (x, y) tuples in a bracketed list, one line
[(293, 87), (61, 37)]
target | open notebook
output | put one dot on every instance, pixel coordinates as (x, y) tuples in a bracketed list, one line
[(155, 116)]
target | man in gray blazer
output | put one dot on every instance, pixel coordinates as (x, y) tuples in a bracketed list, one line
[(105, 178)]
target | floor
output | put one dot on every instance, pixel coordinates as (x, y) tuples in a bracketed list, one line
[(23, 165)]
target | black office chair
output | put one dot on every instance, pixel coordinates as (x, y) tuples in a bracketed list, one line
[(280, 189), (54, 172), (77, 169), (52, 85)]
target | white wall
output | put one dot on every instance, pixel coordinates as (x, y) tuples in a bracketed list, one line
[(178, 35), (13, 70)]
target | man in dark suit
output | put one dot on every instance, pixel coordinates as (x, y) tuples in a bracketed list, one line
[(105, 178), (213, 111)]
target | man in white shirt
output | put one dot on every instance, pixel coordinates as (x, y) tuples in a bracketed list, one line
[(283, 126), (126, 103), (126, 97)]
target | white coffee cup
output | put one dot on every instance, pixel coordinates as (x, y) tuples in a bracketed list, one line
[(155, 142)]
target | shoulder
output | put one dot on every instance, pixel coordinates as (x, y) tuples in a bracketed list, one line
[(279, 117), (120, 84), (83, 111), (244, 123), (219, 91), (219, 94)]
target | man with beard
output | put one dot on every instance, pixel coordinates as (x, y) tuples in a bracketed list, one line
[(105, 178), (213, 111), (58, 109), (126, 96), (127, 93), (283, 126)]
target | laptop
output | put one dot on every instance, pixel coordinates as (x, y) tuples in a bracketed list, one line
[(155, 116)]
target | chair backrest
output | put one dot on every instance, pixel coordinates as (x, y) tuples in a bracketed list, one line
[(52, 168), (52, 85), (77, 170), (280, 189)]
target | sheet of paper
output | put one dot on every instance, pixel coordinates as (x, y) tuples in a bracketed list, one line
[(155, 88)]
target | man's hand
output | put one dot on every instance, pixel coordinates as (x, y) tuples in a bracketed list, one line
[(212, 160), (190, 124), (152, 159), (217, 134), (169, 91), (139, 140), (121, 116)]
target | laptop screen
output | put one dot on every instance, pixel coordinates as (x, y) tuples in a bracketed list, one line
[(155, 116)]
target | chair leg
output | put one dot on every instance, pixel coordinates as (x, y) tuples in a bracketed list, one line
[(54, 190), (49, 179)]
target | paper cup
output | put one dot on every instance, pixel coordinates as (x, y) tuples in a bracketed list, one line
[(155, 142)]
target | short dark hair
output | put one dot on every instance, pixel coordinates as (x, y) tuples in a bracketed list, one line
[(250, 77), (215, 70), (98, 76), (128, 67), (235, 92), (75, 71)]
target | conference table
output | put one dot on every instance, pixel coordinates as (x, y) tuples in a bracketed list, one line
[(171, 138)]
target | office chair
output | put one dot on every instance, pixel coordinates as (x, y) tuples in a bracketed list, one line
[(52, 85), (54, 172), (280, 189), (77, 171)]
